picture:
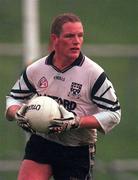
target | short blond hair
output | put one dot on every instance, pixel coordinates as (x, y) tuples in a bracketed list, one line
[(58, 21)]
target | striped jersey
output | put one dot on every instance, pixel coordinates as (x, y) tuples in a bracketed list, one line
[(82, 88)]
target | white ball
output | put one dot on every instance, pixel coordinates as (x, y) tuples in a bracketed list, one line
[(40, 112)]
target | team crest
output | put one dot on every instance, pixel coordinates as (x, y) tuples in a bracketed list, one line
[(75, 90), (43, 83)]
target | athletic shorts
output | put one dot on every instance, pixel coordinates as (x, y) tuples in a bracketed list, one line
[(67, 162)]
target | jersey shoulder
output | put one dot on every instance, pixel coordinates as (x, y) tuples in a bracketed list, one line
[(37, 63), (36, 66), (92, 67)]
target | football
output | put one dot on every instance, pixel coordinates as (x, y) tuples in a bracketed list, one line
[(40, 112)]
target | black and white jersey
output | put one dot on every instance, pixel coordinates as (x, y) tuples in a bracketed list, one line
[(82, 88)]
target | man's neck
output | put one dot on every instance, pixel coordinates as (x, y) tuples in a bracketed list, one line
[(61, 63)]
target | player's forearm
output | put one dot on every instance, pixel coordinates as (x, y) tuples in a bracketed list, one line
[(11, 111), (104, 121), (90, 122)]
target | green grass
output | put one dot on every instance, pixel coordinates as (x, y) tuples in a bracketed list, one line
[(108, 21), (8, 176), (11, 139), (122, 141), (10, 21)]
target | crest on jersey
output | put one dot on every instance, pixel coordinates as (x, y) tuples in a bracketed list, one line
[(43, 83), (75, 90)]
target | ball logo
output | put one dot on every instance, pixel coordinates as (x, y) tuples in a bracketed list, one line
[(34, 107)]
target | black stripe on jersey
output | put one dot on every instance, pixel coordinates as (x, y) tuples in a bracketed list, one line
[(28, 84), (98, 84), (20, 91), (105, 100), (114, 105), (105, 91), (20, 97), (108, 108)]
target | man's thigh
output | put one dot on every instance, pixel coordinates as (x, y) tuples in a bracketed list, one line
[(30, 170)]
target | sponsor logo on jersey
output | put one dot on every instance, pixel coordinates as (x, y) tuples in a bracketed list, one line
[(59, 77), (43, 83), (75, 90)]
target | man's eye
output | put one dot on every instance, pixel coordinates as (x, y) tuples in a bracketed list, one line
[(80, 35), (69, 36), (72, 36)]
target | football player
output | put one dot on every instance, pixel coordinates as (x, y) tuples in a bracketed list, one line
[(88, 103)]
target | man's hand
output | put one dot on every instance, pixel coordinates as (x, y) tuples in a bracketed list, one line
[(68, 121), (22, 121)]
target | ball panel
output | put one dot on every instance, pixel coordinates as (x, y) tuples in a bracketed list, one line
[(41, 110)]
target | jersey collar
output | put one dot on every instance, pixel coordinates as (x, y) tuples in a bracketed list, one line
[(78, 62)]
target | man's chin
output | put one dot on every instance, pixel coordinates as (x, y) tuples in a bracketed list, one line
[(74, 55)]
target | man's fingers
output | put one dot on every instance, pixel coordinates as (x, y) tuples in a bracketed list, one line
[(23, 109), (61, 120), (56, 129)]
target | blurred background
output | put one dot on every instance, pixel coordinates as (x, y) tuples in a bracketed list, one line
[(111, 39)]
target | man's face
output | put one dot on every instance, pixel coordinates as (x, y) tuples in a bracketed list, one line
[(68, 44)]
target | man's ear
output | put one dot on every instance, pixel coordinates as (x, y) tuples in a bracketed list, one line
[(53, 38), (53, 42)]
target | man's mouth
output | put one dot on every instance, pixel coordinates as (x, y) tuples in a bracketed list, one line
[(75, 49)]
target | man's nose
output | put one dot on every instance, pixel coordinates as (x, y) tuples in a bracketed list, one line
[(76, 39)]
